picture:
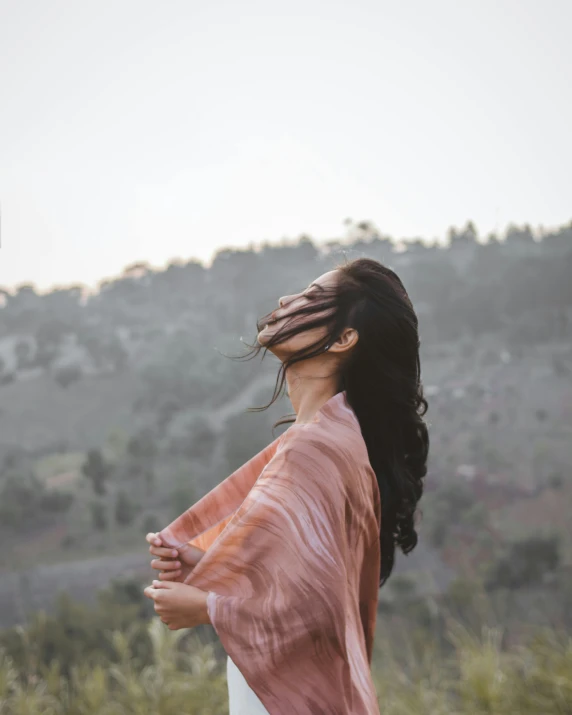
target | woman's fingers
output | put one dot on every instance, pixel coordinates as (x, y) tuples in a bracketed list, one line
[(153, 539), (157, 550), (164, 552), (170, 568), (161, 565)]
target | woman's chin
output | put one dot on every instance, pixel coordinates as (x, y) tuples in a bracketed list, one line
[(263, 336)]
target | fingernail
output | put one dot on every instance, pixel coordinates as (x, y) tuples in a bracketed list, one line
[(155, 582), (177, 563), (173, 553)]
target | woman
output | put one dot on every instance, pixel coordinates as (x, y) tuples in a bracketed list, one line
[(287, 554)]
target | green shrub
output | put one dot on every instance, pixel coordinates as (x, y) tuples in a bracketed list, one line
[(178, 671)]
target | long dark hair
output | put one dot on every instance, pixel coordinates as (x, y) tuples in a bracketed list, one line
[(382, 380)]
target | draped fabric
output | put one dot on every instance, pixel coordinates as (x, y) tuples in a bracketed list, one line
[(292, 566)]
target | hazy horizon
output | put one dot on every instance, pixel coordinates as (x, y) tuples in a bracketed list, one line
[(136, 132)]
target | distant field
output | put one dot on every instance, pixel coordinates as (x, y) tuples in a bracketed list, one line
[(60, 470), (549, 511), (35, 413), (24, 592)]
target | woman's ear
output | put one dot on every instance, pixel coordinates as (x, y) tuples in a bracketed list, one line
[(346, 341)]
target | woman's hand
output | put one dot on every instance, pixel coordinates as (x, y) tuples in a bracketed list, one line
[(173, 563), (178, 604)]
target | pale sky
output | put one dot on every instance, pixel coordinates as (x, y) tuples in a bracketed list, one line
[(133, 130)]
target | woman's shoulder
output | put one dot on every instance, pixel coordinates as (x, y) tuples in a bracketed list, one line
[(338, 447), (301, 436)]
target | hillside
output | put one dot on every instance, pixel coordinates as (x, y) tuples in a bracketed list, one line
[(118, 408)]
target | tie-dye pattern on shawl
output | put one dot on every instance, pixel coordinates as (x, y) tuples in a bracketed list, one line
[(292, 566)]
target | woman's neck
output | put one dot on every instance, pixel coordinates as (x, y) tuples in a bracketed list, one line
[(309, 395)]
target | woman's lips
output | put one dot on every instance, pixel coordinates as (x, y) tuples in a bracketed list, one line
[(273, 319)]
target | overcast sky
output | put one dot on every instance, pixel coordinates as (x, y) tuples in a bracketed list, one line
[(133, 130)]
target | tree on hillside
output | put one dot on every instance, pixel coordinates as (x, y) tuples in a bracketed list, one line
[(525, 562), (98, 515), (49, 335), (125, 509), (23, 353), (142, 453), (516, 236), (468, 236), (97, 470), (24, 500), (67, 375)]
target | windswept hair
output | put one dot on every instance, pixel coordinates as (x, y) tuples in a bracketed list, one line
[(382, 380)]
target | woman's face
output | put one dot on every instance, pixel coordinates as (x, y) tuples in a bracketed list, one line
[(290, 303)]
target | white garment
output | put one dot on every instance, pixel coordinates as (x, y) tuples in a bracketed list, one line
[(242, 700)]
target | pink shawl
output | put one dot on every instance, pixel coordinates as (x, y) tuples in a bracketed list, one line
[(292, 566)]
